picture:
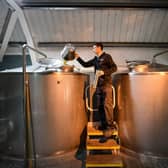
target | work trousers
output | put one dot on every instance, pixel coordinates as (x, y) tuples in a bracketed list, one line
[(104, 96)]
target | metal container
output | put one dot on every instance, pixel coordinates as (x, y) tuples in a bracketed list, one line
[(58, 111), (142, 113), (147, 66), (68, 52)]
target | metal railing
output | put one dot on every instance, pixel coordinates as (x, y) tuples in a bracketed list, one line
[(87, 100)]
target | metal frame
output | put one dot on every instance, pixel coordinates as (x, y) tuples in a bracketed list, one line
[(8, 34), (94, 3), (106, 44), (18, 14), (5, 25)]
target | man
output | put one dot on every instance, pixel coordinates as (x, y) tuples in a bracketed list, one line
[(104, 64)]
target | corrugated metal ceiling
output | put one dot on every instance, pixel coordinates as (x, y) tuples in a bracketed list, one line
[(107, 25), (120, 25)]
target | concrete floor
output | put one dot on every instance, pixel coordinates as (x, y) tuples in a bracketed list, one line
[(76, 159), (71, 159), (143, 161)]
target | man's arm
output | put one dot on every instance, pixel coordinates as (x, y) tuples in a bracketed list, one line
[(84, 63), (87, 63)]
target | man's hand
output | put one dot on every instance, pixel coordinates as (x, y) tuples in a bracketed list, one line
[(76, 55), (99, 73)]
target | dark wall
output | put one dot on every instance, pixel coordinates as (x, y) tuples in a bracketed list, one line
[(13, 61)]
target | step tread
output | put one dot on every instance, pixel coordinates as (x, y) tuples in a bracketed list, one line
[(92, 131), (104, 161), (95, 144)]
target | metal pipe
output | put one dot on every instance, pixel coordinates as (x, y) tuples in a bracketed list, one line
[(30, 154), (35, 50), (160, 53)]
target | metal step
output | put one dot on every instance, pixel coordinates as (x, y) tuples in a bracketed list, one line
[(92, 131), (103, 161), (94, 144)]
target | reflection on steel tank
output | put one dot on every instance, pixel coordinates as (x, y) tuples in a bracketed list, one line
[(58, 111), (142, 104)]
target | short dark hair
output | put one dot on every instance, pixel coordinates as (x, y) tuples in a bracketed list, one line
[(99, 45)]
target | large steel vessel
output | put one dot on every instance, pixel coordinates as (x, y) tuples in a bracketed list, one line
[(143, 114), (58, 112)]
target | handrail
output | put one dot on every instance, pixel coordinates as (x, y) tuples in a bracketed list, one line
[(24, 47), (35, 50), (87, 101), (114, 96)]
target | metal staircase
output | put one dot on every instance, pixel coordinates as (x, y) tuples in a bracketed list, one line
[(102, 154)]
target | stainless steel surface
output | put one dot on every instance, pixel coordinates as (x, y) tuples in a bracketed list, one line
[(29, 152), (158, 54), (6, 127), (138, 65), (68, 52), (143, 111), (146, 66), (62, 68), (58, 110), (11, 108), (67, 68), (66, 160), (48, 61)]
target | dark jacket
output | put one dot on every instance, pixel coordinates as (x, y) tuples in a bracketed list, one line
[(104, 63)]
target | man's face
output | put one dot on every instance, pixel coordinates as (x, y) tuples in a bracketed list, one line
[(96, 49)]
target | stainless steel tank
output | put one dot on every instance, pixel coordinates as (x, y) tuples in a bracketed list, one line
[(143, 113), (58, 111)]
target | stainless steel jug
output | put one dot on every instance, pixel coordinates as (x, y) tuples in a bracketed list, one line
[(68, 52)]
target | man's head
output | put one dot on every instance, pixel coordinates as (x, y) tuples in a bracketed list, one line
[(98, 48)]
